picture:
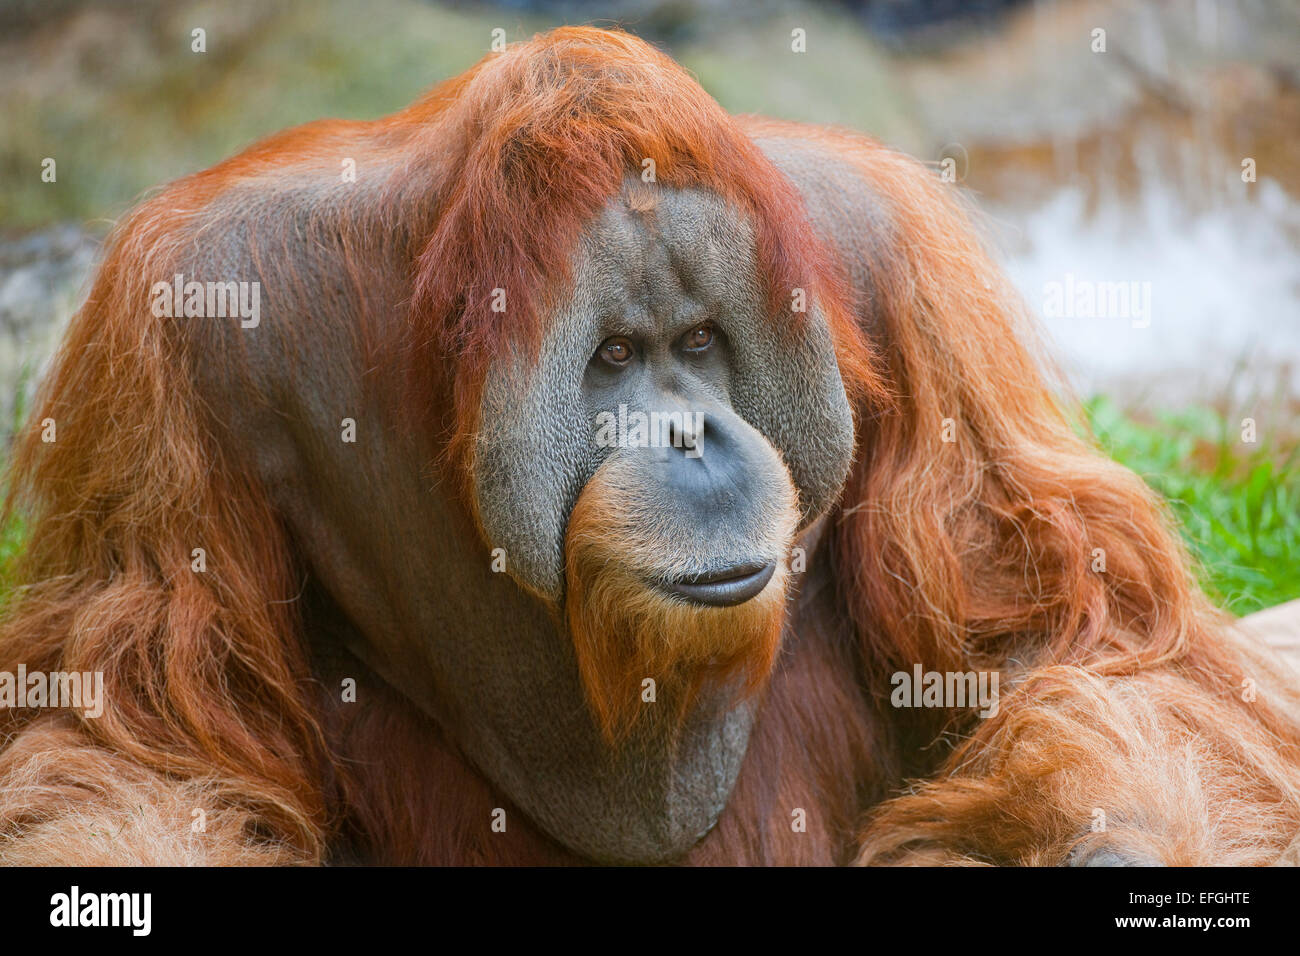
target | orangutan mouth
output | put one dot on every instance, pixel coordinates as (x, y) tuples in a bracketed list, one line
[(724, 587)]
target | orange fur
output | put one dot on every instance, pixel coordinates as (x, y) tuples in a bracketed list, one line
[(979, 554), (1122, 688), (204, 673)]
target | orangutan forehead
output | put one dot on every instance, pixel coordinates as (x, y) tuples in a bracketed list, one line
[(664, 254)]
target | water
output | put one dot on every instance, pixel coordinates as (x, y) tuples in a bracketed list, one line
[(1223, 281)]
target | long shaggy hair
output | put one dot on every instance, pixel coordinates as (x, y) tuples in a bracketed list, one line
[(1125, 693), (1017, 547), (204, 674)]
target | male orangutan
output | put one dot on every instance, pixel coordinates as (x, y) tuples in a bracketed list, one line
[(379, 577)]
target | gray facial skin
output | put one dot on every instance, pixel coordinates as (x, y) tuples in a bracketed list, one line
[(653, 277), (487, 654)]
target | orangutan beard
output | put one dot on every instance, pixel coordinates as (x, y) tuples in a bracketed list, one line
[(626, 631)]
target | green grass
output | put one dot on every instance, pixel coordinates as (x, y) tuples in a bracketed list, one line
[(12, 528), (1237, 503), (11, 543)]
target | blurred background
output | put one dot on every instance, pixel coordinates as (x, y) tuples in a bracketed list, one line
[(1153, 146)]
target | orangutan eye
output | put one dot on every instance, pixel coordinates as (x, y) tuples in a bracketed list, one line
[(615, 351), (699, 338)]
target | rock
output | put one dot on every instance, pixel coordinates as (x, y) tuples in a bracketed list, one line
[(43, 279)]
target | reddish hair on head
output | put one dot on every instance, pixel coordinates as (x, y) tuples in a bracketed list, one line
[(541, 136)]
